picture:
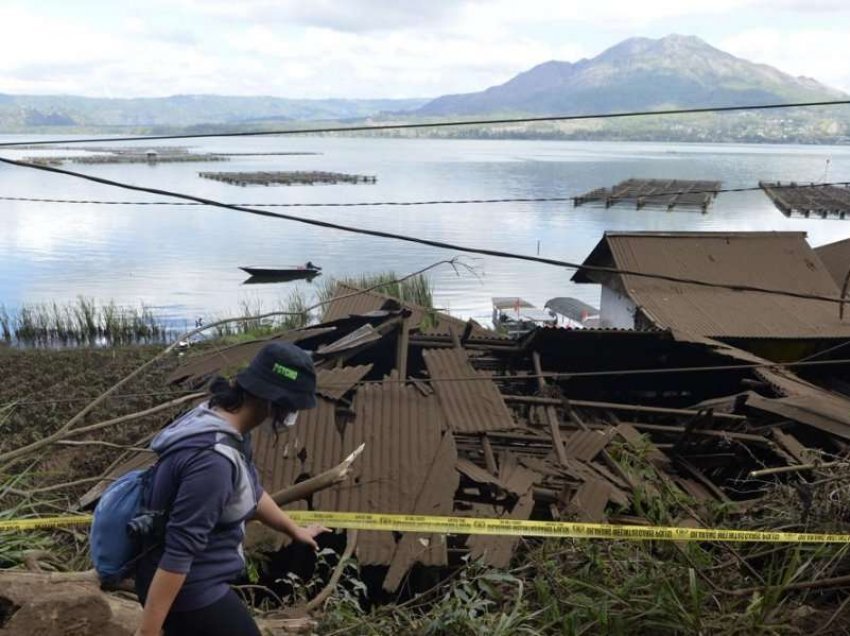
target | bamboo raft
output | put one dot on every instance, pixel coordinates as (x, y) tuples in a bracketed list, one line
[(809, 200), (286, 178), (126, 158), (665, 193)]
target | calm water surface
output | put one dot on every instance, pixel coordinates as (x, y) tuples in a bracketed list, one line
[(183, 261)]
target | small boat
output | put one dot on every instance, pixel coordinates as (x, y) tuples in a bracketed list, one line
[(516, 317), (302, 271)]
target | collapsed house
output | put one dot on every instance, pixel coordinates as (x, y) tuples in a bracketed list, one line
[(458, 420)]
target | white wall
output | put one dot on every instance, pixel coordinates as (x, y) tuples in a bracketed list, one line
[(616, 310)]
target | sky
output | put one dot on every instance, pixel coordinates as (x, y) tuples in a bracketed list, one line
[(379, 48)]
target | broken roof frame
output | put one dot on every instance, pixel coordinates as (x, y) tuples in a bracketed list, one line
[(462, 424)]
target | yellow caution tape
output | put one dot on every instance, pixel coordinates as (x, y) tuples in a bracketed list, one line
[(38, 523), (498, 527)]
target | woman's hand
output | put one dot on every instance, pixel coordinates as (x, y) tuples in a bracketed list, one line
[(307, 535)]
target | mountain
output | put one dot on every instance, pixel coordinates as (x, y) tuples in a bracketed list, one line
[(19, 112), (638, 73)]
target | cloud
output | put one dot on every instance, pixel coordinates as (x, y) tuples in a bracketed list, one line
[(360, 16), (375, 48), (821, 53)]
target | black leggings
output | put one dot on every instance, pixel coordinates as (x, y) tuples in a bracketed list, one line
[(228, 616)]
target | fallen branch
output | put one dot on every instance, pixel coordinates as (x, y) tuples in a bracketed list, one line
[(304, 489), (322, 596), (64, 433)]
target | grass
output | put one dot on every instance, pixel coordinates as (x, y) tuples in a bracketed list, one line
[(83, 322), (295, 308), (416, 290), (583, 587)]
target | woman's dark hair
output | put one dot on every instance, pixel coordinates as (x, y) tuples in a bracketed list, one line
[(226, 395)]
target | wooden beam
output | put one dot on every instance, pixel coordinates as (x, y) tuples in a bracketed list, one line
[(551, 415)]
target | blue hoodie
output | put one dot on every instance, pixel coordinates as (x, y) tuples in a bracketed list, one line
[(212, 489)]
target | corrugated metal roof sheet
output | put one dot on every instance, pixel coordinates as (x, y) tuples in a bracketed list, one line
[(200, 366), (497, 551), (470, 406), (334, 383), (775, 260), (349, 301), (804, 402), (836, 259), (310, 447), (404, 463), (586, 445)]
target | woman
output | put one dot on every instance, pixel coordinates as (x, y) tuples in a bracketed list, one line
[(207, 487)]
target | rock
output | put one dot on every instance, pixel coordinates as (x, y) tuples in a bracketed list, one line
[(39, 604)]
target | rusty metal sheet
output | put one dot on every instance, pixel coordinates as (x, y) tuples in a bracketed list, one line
[(585, 445), (359, 337), (633, 436), (804, 403), (233, 357), (472, 403), (774, 260), (433, 499), (589, 502), (403, 432), (694, 489), (312, 446), (792, 446), (350, 301), (334, 383), (498, 551)]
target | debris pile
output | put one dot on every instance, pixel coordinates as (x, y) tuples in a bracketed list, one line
[(457, 419)]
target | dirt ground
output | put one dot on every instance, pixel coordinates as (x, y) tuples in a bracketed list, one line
[(42, 389)]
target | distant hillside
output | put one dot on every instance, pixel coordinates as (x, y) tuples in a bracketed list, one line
[(638, 73), (22, 112)]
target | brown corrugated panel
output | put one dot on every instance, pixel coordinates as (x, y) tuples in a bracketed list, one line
[(235, 356), (790, 445), (470, 406), (775, 260), (633, 436), (694, 489), (586, 445), (357, 338), (804, 402), (418, 547), (334, 383), (348, 302), (344, 304), (310, 447), (478, 474), (836, 259), (588, 503), (402, 431), (498, 551)]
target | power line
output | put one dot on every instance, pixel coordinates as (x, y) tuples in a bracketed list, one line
[(440, 124), (421, 241), (345, 204)]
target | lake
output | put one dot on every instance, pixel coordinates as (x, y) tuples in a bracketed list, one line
[(183, 261)]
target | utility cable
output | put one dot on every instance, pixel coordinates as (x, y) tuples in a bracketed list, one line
[(421, 241), (439, 124), (344, 204)]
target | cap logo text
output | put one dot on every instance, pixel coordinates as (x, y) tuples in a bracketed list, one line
[(286, 372)]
